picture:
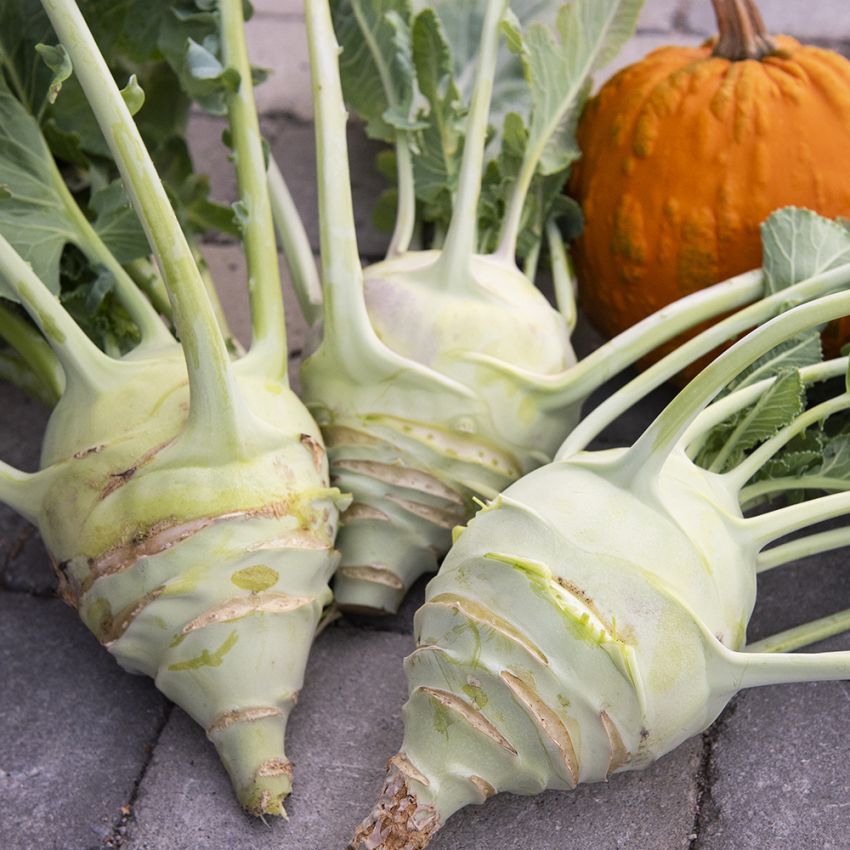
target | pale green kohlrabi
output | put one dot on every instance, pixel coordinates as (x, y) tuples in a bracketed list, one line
[(594, 615), (184, 498), (443, 374)]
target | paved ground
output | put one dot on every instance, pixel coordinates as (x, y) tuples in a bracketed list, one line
[(93, 758)]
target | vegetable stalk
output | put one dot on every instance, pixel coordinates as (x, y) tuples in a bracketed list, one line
[(184, 500), (551, 650)]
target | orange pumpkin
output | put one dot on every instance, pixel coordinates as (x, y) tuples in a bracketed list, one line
[(688, 150)]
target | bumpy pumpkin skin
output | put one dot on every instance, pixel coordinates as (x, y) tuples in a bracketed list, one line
[(685, 154)]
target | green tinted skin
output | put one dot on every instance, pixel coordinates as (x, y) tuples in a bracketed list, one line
[(594, 615), (184, 499), (441, 376)]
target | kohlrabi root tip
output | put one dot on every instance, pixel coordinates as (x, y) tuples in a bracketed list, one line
[(398, 821), (266, 795)]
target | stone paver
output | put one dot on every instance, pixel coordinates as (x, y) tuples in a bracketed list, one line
[(227, 266), (650, 810), (76, 729), (345, 727), (280, 8), (781, 769), (659, 15), (293, 144), (279, 44), (23, 561)]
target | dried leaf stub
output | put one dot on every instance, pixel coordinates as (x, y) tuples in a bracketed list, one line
[(398, 821)]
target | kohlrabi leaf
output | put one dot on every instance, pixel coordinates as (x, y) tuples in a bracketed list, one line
[(56, 58), (23, 25), (799, 244), (117, 224), (375, 64), (777, 407), (33, 215), (440, 142), (797, 458), (795, 353), (88, 295), (835, 461), (559, 69), (461, 22)]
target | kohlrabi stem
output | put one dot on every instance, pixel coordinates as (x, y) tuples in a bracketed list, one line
[(146, 276), (34, 351), (214, 411), (802, 547), (82, 361), (782, 485), (532, 258), (22, 491), (643, 461), (406, 212), (804, 635), (268, 352), (15, 371), (667, 323), (629, 346), (234, 347), (751, 464), (771, 668), (462, 237), (736, 401), (765, 528), (342, 275), (562, 277), (153, 332), (405, 217), (296, 247)]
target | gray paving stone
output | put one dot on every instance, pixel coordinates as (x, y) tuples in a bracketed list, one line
[(76, 729), (227, 265), (659, 15), (23, 561), (279, 44), (650, 810), (293, 144), (825, 19), (801, 592), (281, 8), (781, 768), (344, 729)]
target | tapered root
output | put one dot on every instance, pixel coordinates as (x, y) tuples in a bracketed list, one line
[(250, 744), (398, 821)]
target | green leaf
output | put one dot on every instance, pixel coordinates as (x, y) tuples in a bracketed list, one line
[(56, 58), (836, 459), (33, 215), (795, 353), (117, 224), (590, 33), (23, 25), (778, 407), (375, 64), (88, 295), (799, 244), (439, 143), (133, 95), (462, 21)]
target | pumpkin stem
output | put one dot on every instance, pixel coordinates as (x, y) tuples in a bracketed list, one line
[(741, 31)]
